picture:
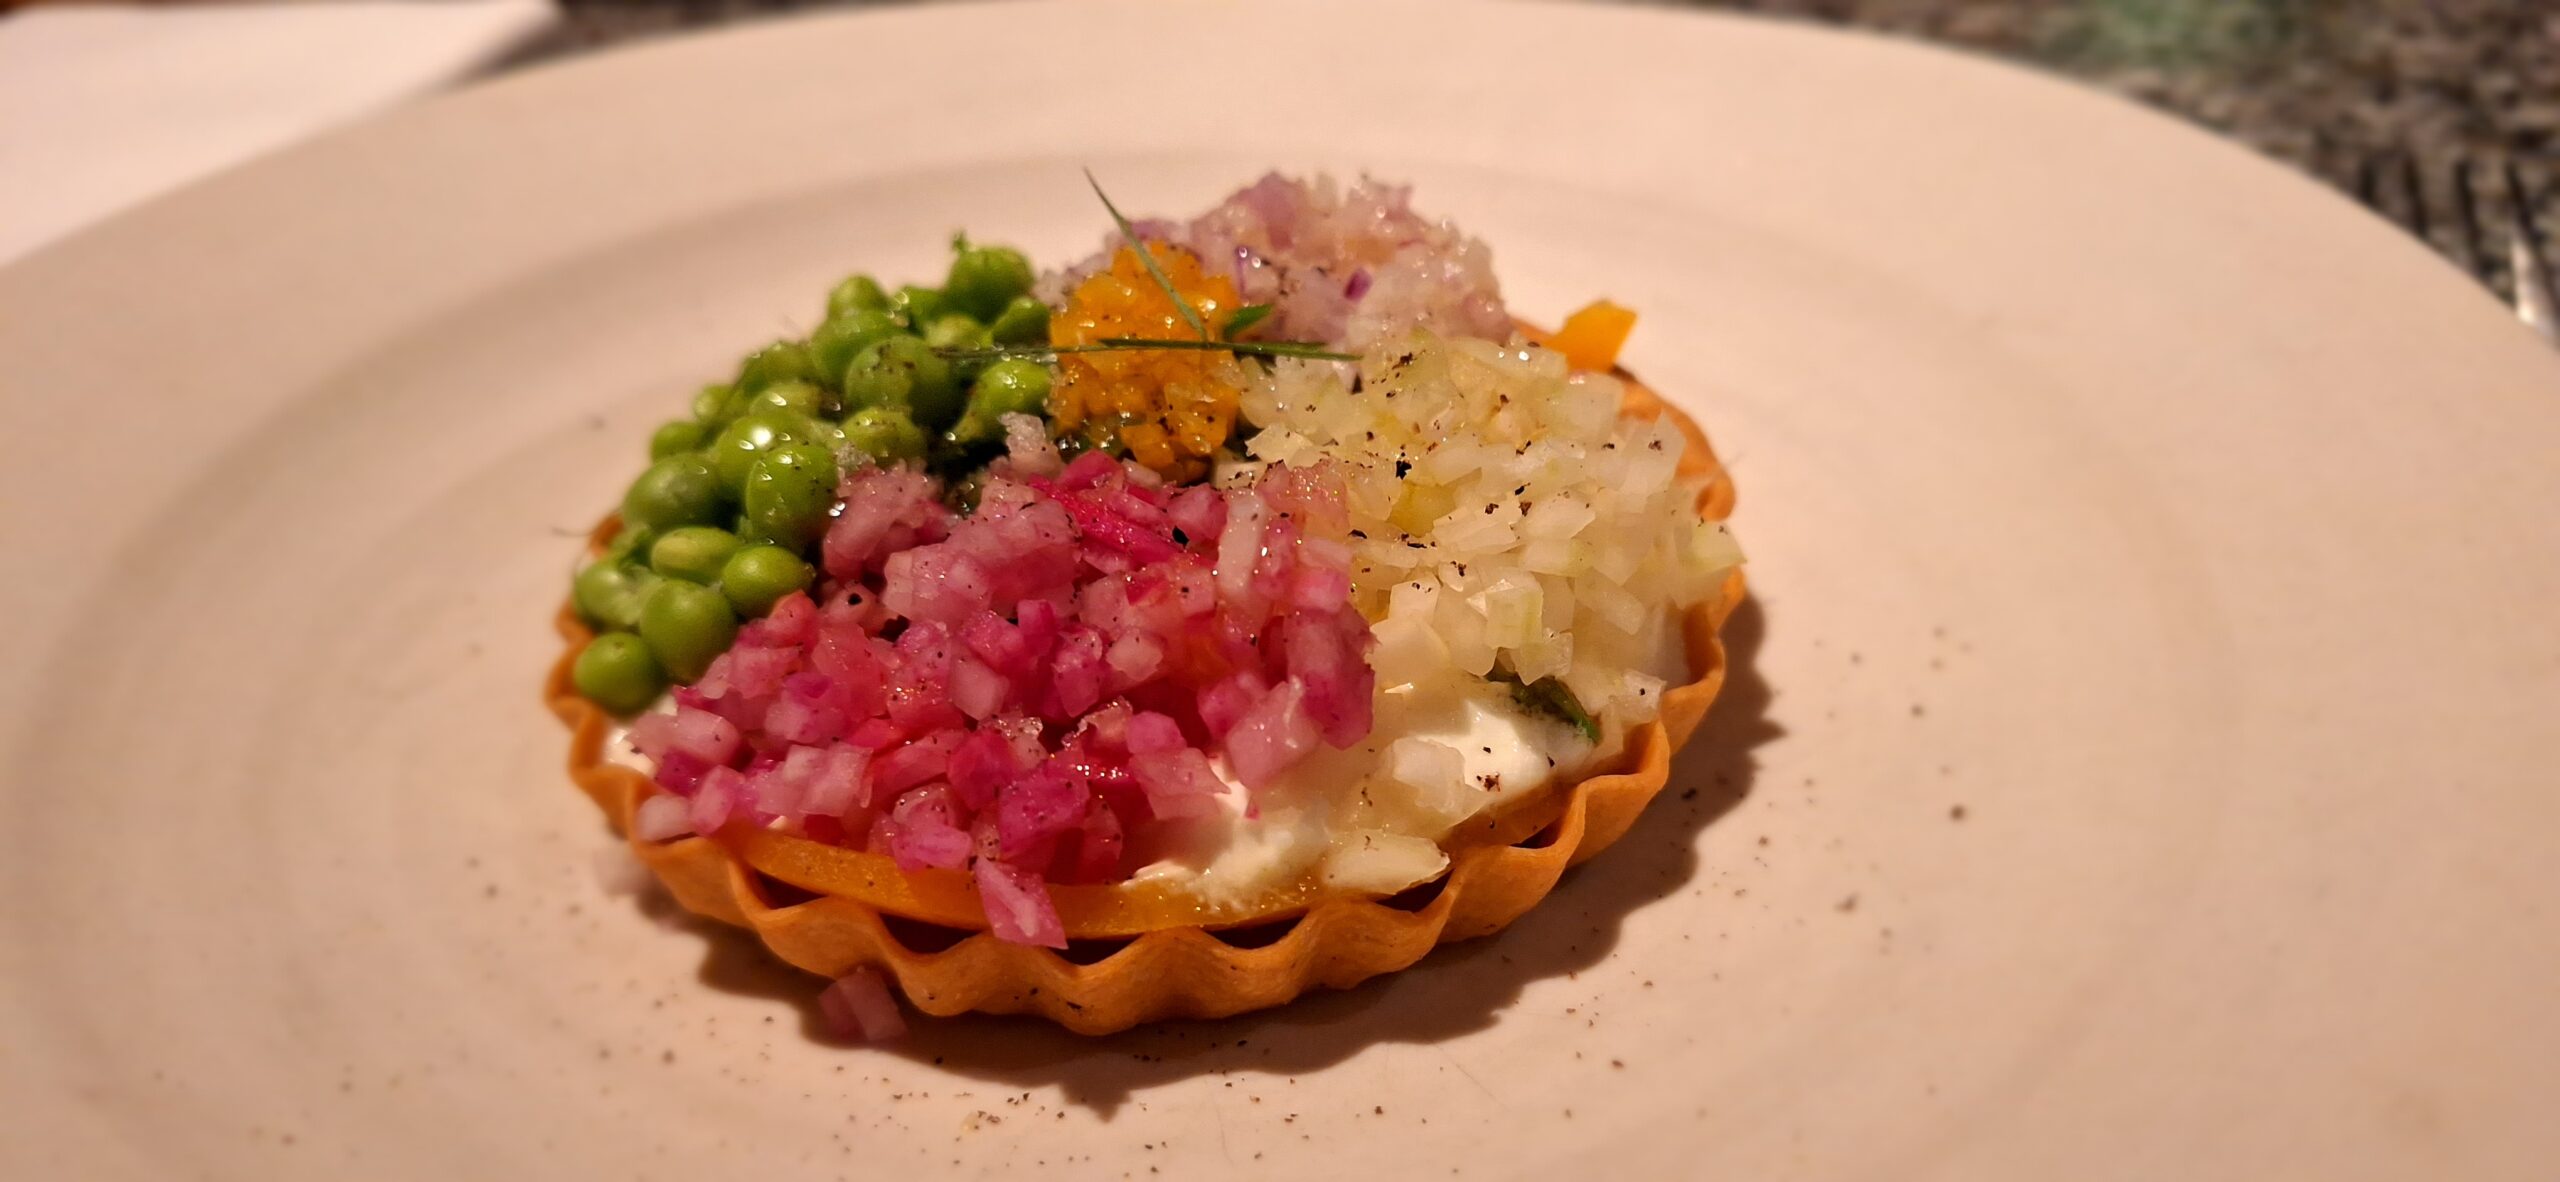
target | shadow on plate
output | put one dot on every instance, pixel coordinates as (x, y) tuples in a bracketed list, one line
[(1458, 989)]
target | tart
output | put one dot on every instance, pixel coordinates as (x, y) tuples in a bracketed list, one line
[(1249, 608)]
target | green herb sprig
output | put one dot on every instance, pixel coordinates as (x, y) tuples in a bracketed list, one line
[(1306, 349), (1550, 697), (1244, 320), (1190, 315)]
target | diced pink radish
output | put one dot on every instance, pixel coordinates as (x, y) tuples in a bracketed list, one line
[(1199, 512), (679, 772), (859, 1006), (1116, 531), (772, 792), (716, 799), (886, 510), (792, 622), (1224, 704), (652, 733), (1272, 736), (757, 672), (983, 764), (1097, 847), (1191, 588), (661, 818), (1134, 658), (1240, 545), (1323, 654), (1077, 672), (1150, 733), (1017, 903), (1179, 783), (997, 728), (998, 643), (838, 786), (977, 690), (1086, 471), (877, 734), (1037, 809), (1319, 589), (924, 830), (793, 720), (703, 735), (916, 762)]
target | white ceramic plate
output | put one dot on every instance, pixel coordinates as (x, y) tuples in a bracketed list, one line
[(2138, 763)]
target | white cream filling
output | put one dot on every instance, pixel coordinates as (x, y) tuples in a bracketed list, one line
[(1369, 818)]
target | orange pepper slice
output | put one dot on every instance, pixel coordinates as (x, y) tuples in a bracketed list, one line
[(1590, 339)]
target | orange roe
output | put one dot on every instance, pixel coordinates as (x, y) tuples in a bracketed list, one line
[(1170, 409)]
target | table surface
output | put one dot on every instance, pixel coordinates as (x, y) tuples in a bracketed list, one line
[(2316, 82), (2381, 98)]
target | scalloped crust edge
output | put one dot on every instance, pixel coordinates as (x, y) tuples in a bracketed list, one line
[(1162, 972)]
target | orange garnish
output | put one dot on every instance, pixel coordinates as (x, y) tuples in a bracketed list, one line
[(1591, 338), (1170, 409)]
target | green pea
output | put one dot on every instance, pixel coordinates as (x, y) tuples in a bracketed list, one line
[(1025, 321), (795, 397), (686, 625), (678, 490), (711, 406), (856, 292), (841, 338), (916, 305), (956, 330), (757, 577), (1014, 385), (630, 543), (609, 592), (781, 361), (739, 443), (676, 438), (694, 552), (984, 279), (823, 431), (904, 373), (885, 435), (790, 492), (617, 672)]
